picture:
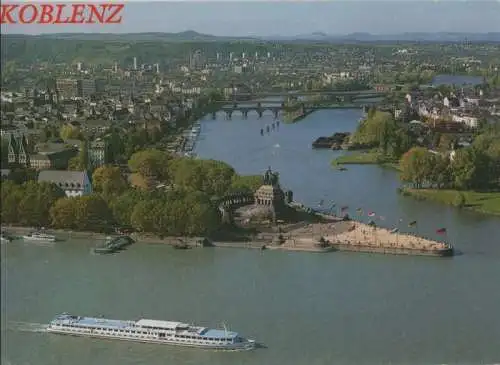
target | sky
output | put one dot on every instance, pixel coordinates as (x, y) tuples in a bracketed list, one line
[(271, 18)]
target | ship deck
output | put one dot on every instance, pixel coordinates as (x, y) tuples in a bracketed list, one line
[(120, 324)]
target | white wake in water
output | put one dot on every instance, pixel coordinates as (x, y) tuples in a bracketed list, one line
[(26, 326)]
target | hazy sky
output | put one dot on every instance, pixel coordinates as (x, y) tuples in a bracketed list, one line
[(252, 18)]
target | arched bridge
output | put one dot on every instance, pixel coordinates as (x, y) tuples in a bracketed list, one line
[(277, 107), (259, 108), (263, 94)]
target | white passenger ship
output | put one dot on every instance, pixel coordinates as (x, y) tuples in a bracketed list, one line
[(39, 236), (147, 330)]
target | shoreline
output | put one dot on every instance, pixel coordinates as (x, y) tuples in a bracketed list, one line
[(487, 203), (334, 235), (474, 201)]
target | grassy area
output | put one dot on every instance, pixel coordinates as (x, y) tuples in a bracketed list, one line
[(488, 202), (365, 158)]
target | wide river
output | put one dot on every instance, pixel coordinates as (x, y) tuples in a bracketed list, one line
[(337, 308)]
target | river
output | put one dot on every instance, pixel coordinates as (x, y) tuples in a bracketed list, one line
[(341, 308)]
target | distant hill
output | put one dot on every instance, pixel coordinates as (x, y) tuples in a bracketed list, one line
[(402, 37), (192, 36), (187, 36)]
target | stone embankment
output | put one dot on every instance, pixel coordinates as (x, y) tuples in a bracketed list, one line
[(360, 237)]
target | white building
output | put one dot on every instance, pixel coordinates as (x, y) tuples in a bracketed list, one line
[(469, 121), (74, 183)]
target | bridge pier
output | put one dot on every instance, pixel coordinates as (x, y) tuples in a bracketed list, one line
[(276, 112), (229, 114), (260, 112), (214, 115), (244, 113)]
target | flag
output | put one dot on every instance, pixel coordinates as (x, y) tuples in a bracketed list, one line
[(441, 231), (412, 223), (395, 230), (371, 214), (344, 208)]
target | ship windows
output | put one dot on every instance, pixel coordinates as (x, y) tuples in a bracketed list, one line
[(161, 335)]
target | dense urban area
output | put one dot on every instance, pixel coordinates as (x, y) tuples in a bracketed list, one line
[(93, 131)]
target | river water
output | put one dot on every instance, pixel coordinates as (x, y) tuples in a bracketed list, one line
[(337, 308)]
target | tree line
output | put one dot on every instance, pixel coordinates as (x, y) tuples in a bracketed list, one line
[(432, 160), (476, 167), (170, 197)]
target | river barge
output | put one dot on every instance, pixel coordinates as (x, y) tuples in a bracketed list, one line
[(150, 331)]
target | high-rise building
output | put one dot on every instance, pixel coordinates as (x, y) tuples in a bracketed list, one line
[(98, 152), (135, 63), (196, 60), (67, 88), (86, 87)]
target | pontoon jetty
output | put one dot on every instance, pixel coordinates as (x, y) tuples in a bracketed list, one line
[(147, 330)]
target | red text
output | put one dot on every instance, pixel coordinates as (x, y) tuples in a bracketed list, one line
[(53, 13)]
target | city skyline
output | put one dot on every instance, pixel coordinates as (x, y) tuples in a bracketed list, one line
[(278, 18)]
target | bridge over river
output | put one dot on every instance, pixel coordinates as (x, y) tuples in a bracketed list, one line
[(260, 107), (357, 94)]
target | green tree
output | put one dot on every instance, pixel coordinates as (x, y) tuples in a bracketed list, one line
[(4, 150), (151, 164), (124, 205), (35, 204), (108, 180), (246, 183), (417, 166), (68, 131), (83, 155), (11, 196), (144, 215), (470, 169), (376, 131), (87, 213), (63, 212)]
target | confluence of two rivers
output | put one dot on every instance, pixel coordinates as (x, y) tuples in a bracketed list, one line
[(342, 308)]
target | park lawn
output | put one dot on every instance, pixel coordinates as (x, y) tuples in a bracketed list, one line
[(488, 202), (365, 158)]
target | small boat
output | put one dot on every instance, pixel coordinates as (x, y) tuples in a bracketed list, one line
[(39, 236), (150, 331), (341, 168)]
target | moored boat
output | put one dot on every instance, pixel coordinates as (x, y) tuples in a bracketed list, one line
[(39, 236), (151, 331), (113, 244)]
